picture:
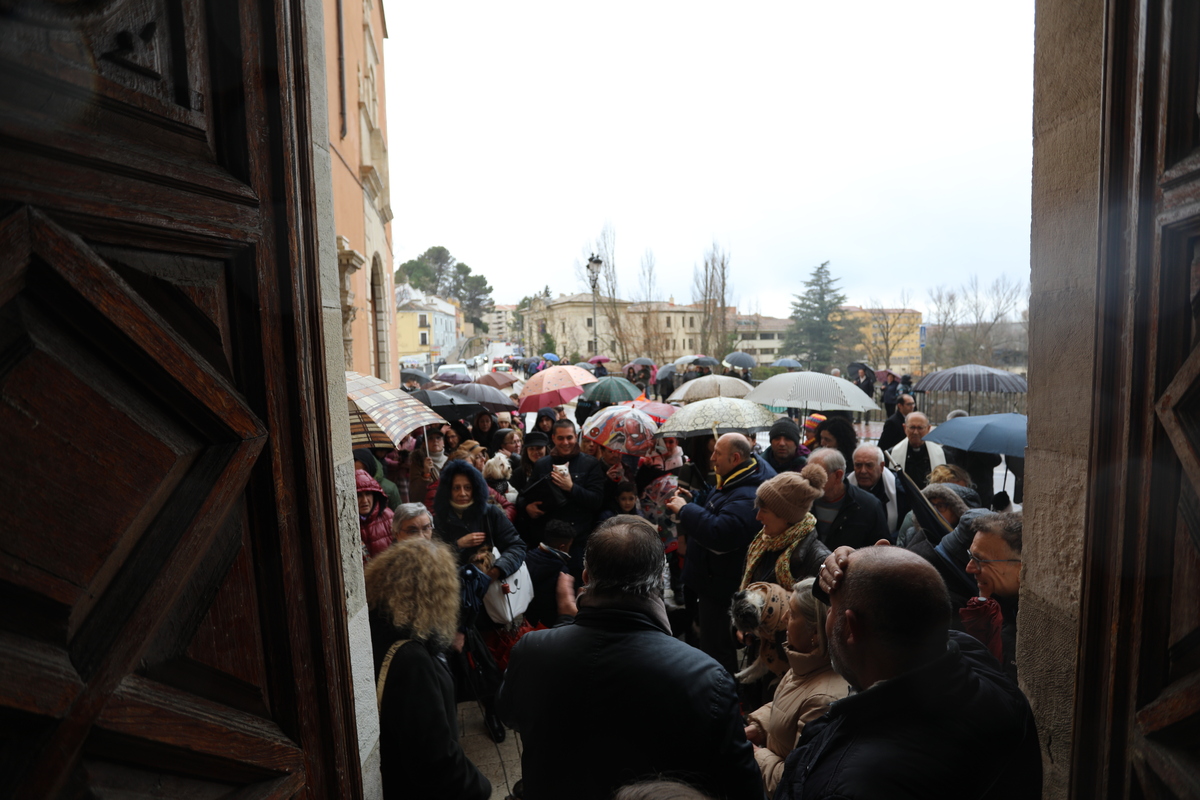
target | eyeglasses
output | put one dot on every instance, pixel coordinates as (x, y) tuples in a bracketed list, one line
[(423, 529), (979, 561)]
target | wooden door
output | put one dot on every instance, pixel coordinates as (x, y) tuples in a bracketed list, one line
[(1138, 708), (171, 608)]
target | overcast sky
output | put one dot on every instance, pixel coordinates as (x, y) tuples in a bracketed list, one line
[(891, 139)]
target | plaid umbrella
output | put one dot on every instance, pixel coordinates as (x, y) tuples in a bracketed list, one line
[(716, 416), (498, 380), (364, 431), (710, 386), (611, 389), (391, 410), (489, 397), (553, 387)]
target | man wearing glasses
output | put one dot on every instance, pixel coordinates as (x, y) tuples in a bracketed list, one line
[(995, 561)]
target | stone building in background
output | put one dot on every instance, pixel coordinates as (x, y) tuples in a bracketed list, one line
[(362, 214)]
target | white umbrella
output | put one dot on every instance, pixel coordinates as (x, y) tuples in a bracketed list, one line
[(718, 415), (710, 386), (815, 391)]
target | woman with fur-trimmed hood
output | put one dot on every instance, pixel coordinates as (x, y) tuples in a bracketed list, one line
[(413, 600)]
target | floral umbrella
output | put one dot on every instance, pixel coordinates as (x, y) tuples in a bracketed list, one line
[(553, 387), (623, 429), (391, 410), (716, 416)]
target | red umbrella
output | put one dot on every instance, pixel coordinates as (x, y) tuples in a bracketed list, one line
[(659, 412), (553, 387)]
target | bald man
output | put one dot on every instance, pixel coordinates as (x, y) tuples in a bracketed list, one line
[(933, 716), (916, 456)]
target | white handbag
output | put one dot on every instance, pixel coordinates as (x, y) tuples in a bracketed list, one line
[(504, 607)]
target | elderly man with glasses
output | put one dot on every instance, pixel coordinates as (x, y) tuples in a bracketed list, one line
[(995, 562)]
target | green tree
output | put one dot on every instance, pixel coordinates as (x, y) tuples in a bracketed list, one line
[(816, 333), (439, 273)]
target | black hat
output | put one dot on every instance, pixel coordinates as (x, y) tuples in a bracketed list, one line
[(785, 428), (536, 439)]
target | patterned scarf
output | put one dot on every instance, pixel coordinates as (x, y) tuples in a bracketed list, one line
[(788, 541)]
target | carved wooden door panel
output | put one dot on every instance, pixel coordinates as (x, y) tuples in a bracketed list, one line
[(1138, 708), (171, 608)]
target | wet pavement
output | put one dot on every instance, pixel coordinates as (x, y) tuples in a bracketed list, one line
[(501, 763)]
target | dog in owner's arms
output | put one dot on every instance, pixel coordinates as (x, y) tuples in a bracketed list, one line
[(761, 610)]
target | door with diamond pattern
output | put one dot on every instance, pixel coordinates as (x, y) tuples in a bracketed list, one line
[(171, 609)]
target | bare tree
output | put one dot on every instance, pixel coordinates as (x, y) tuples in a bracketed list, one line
[(711, 290), (650, 340), (886, 329), (945, 313), (608, 296), (985, 308)]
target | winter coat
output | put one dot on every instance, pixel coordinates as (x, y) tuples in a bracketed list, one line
[(481, 516), (806, 561), (720, 532), (895, 506), (937, 457), (376, 471), (420, 755), (861, 521), (376, 529), (795, 465), (893, 432), (586, 495), (545, 565), (891, 393), (494, 497), (594, 701), (954, 728), (803, 695)]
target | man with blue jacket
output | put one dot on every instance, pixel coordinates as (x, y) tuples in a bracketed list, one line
[(717, 537)]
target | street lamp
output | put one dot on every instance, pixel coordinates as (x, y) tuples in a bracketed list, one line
[(593, 268)]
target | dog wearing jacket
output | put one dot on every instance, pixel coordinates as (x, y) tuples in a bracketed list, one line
[(762, 610)]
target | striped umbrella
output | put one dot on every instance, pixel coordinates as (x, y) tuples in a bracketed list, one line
[(710, 386), (716, 416), (815, 391), (393, 411), (553, 387), (972, 378)]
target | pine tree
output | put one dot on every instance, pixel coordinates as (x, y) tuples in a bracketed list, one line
[(816, 333)]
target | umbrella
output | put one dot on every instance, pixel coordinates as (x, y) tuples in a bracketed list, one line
[(489, 397), (621, 428), (585, 365), (553, 387), (392, 410), (683, 361), (414, 374), (710, 386), (450, 406), (665, 372), (549, 357), (815, 391), (611, 389), (706, 361), (452, 377), (882, 374), (716, 416), (497, 380), (741, 360), (1003, 434), (971, 378), (642, 362), (790, 363), (854, 366), (365, 432), (599, 360), (659, 412)]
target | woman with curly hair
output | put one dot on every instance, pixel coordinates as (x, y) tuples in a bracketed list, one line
[(787, 548), (838, 433), (413, 601)]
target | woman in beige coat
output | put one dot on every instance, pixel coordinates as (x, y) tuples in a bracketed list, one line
[(805, 691)]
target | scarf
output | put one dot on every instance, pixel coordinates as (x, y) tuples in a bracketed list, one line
[(737, 473), (788, 540)]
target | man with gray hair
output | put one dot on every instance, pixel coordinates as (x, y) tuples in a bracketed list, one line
[(916, 456), (871, 474), (590, 698), (846, 515)]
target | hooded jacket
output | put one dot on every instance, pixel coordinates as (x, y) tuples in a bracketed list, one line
[(955, 729), (376, 529), (548, 411), (375, 470), (720, 532), (481, 516)]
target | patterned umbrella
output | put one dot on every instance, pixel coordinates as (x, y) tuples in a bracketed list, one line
[(718, 415), (392, 410), (710, 386), (498, 380), (611, 389), (815, 391), (623, 429), (364, 432), (489, 397), (450, 406), (741, 360), (553, 387), (972, 378), (659, 412)]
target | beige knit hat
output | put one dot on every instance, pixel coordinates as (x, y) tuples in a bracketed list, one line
[(790, 495)]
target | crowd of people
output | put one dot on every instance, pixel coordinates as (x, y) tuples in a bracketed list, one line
[(714, 619)]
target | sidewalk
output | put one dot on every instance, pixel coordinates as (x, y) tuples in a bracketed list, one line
[(496, 761)]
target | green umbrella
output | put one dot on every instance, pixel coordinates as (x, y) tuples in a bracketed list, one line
[(611, 389)]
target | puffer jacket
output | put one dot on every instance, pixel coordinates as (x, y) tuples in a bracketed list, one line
[(804, 694), (376, 528), (720, 532), (481, 516)]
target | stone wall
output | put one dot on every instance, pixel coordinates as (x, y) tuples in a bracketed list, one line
[(362, 665), (1064, 256)]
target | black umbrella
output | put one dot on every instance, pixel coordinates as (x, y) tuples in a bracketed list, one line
[(854, 366), (706, 361), (448, 405), (417, 375), (489, 397), (453, 377), (972, 378), (741, 360)]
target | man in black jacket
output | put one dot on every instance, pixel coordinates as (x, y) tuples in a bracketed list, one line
[(613, 697), (784, 454), (893, 426), (934, 717), (579, 480), (846, 515)]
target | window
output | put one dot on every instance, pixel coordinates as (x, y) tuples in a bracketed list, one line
[(422, 320), (564, 326), (691, 323), (668, 321), (691, 344), (591, 345), (424, 338), (589, 322), (766, 336)]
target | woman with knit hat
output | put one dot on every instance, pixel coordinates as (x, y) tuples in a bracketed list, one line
[(787, 549)]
